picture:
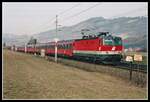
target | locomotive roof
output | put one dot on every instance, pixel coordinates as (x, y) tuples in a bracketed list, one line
[(86, 39)]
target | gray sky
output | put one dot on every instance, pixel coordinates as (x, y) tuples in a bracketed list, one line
[(31, 18)]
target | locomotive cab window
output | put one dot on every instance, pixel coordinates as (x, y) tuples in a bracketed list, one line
[(108, 40)]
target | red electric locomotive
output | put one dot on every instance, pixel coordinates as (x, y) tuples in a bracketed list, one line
[(104, 47)]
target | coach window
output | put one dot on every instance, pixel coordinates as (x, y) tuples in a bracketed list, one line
[(64, 46), (67, 46), (70, 46), (51, 46)]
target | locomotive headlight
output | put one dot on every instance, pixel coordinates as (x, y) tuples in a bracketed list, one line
[(99, 48), (113, 48)]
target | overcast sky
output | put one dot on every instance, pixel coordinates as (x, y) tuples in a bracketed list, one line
[(31, 18)]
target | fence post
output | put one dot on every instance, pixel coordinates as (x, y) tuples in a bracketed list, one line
[(130, 70), (138, 73)]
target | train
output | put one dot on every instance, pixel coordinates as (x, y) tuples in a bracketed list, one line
[(102, 47)]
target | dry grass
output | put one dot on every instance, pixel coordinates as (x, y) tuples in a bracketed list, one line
[(26, 77), (138, 78)]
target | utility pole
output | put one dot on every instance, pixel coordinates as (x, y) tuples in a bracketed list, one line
[(56, 25), (25, 48), (56, 41)]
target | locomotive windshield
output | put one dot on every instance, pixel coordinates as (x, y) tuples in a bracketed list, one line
[(117, 41), (109, 40)]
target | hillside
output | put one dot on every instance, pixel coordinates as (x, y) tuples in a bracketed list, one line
[(132, 29), (12, 39)]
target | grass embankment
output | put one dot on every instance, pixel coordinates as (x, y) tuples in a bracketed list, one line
[(26, 76)]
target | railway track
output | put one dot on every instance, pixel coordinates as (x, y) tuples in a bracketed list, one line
[(127, 66), (135, 67)]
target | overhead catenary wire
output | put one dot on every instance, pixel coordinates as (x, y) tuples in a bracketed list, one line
[(76, 5), (61, 13), (93, 6)]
